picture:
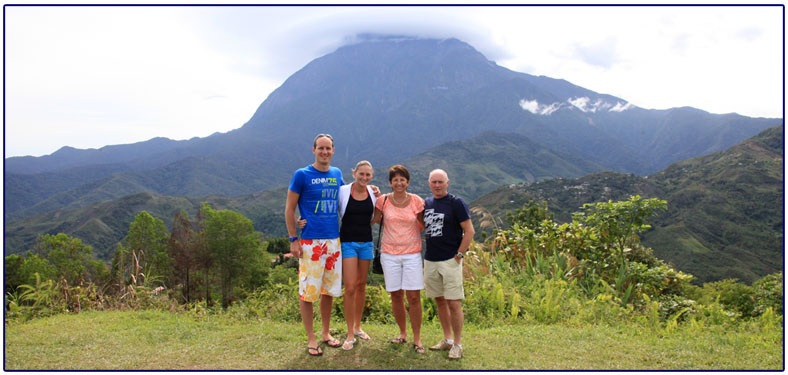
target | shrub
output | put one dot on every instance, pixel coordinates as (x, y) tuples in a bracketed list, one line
[(734, 295), (277, 301), (551, 301), (768, 294), (282, 274), (377, 307)]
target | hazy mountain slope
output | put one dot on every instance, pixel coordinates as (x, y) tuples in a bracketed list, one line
[(729, 210), (725, 209), (476, 166), (485, 162), (103, 225), (69, 157)]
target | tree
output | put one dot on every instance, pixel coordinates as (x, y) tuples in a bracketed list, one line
[(618, 223), (184, 246), (144, 255), (205, 259), (98, 272), (279, 245), (68, 255), (12, 272), (531, 215), (233, 243), (33, 265)]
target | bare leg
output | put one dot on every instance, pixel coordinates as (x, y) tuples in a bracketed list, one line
[(326, 303), (349, 276), (414, 310), (455, 306), (398, 307), (444, 315), (307, 315), (361, 293)]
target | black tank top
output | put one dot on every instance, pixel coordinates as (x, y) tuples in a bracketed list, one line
[(355, 222)]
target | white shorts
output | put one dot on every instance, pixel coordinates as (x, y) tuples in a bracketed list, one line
[(402, 272)]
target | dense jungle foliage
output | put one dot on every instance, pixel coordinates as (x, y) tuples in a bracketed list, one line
[(593, 269)]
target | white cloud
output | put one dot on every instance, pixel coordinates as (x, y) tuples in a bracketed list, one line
[(621, 107), (534, 107), (581, 103)]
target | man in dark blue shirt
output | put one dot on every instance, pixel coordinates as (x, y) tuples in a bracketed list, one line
[(449, 233)]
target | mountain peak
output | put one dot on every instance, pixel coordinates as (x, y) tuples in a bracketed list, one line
[(393, 38)]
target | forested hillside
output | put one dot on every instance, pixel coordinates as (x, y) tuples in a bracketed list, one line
[(725, 209)]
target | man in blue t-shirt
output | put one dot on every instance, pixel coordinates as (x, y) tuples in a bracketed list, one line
[(449, 233), (314, 190)]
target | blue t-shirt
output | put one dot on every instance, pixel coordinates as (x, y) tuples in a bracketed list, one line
[(318, 201), (442, 218)]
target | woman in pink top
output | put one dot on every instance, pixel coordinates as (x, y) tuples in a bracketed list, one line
[(400, 256)]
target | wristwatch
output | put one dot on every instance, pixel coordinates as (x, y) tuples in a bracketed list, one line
[(293, 239), (460, 254)]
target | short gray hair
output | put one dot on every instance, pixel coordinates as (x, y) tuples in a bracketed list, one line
[(438, 170)]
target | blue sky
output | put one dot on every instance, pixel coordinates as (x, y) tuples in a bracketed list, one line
[(92, 76)]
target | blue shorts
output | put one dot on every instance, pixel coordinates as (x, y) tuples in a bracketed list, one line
[(360, 250)]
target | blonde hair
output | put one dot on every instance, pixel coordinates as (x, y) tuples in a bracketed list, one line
[(363, 162)]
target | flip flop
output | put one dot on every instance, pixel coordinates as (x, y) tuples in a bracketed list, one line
[(362, 335), (316, 349), (419, 349), (332, 342), (399, 340), (348, 345)]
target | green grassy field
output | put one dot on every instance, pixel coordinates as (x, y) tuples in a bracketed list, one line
[(155, 340)]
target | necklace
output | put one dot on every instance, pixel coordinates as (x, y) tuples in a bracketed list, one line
[(400, 202)]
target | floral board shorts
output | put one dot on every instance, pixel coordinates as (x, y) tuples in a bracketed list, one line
[(320, 269)]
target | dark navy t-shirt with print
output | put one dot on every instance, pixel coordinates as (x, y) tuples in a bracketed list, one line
[(442, 218)]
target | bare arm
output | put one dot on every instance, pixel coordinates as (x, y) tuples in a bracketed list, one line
[(420, 220), (375, 190), (290, 207), (376, 217), (467, 227)]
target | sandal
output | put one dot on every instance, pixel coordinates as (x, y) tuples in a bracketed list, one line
[(399, 340), (332, 342), (362, 335), (318, 351), (348, 345), (419, 349)]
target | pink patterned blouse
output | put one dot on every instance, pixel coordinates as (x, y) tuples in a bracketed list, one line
[(401, 226)]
